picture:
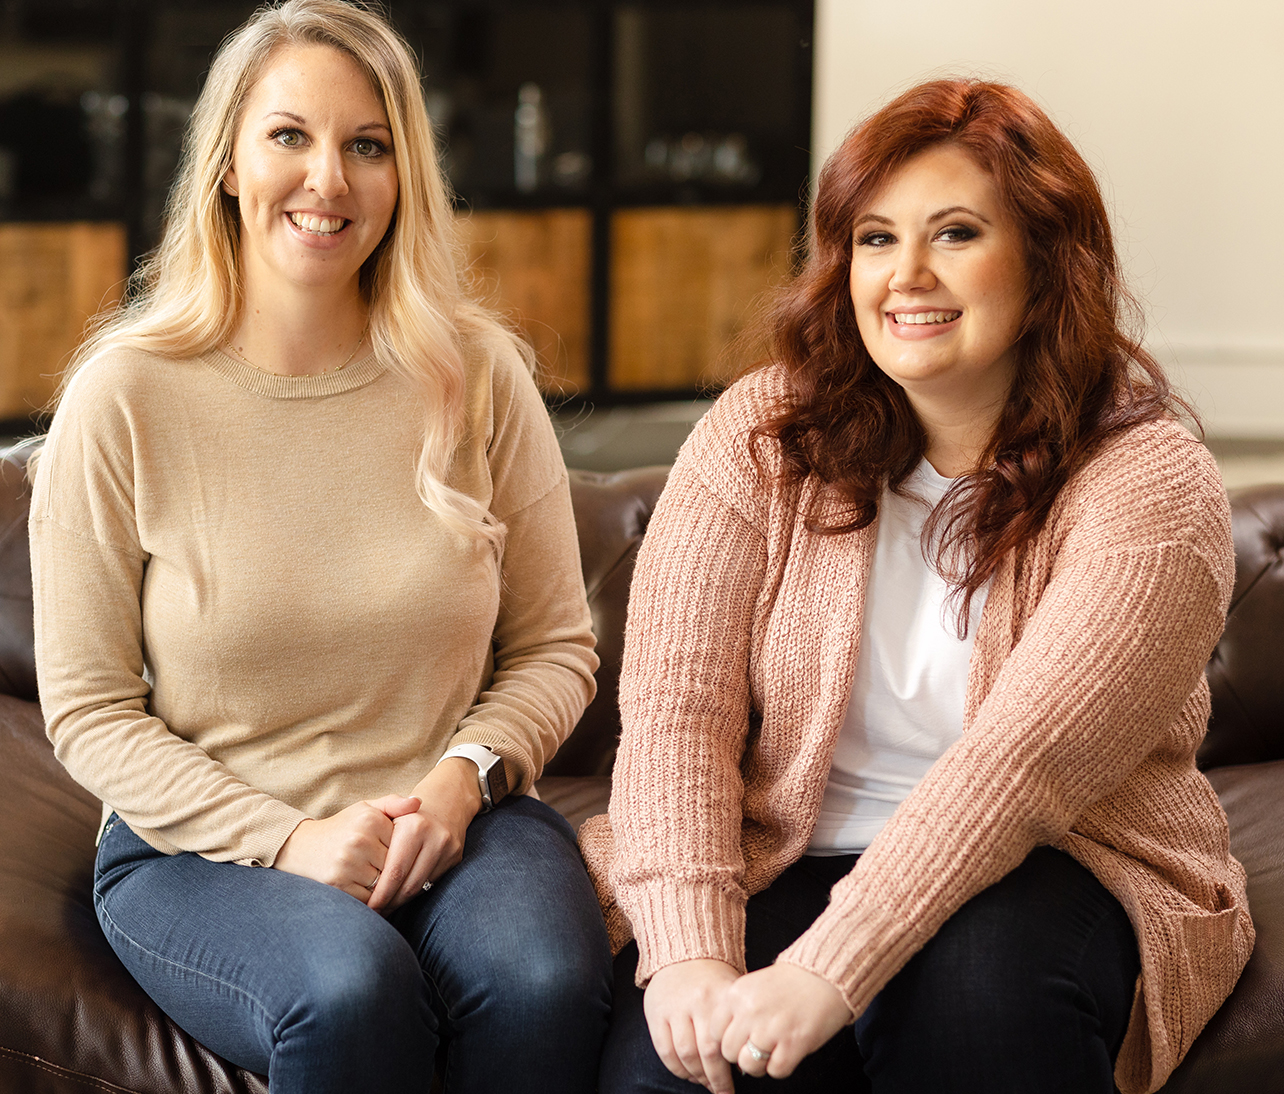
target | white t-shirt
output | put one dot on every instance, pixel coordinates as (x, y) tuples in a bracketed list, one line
[(910, 683)]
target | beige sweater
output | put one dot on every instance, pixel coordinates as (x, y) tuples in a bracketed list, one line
[(1085, 703), (245, 616)]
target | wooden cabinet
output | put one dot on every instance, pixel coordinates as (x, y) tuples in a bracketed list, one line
[(53, 279), (534, 268), (684, 284)]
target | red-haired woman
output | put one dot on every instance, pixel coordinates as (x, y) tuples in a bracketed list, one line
[(914, 674)]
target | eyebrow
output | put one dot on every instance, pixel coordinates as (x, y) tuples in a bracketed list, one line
[(943, 213), (940, 214), (296, 118)]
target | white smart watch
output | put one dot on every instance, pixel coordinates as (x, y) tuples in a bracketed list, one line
[(492, 779)]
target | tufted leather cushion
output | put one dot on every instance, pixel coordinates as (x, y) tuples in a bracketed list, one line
[(1246, 671)]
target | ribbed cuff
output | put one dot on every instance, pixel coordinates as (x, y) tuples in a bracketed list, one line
[(274, 824), (857, 958), (675, 921)]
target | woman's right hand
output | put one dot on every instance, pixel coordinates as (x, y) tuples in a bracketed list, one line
[(346, 850), (679, 1004)]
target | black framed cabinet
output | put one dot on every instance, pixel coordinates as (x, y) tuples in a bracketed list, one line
[(629, 175)]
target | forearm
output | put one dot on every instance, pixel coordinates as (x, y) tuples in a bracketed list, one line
[(170, 791), (453, 783), (685, 706)]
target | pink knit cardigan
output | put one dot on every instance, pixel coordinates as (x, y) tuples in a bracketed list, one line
[(1086, 700)]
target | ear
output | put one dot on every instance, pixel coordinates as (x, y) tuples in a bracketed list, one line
[(229, 183)]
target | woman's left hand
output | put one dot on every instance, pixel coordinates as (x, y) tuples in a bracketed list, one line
[(783, 1010), (427, 843)]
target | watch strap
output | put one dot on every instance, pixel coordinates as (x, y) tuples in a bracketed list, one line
[(492, 778)]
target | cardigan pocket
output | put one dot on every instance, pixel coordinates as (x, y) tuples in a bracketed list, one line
[(1207, 961)]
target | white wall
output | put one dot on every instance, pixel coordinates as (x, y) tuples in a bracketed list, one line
[(1178, 105)]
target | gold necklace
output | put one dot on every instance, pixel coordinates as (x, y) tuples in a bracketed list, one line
[(300, 375)]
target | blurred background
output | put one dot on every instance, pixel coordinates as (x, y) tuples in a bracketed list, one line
[(632, 176)]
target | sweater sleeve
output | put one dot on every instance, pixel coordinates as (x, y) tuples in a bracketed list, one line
[(543, 650), (88, 572), (677, 871), (1098, 678)]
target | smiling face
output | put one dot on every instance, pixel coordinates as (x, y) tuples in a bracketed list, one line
[(313, 172), (939, 285)]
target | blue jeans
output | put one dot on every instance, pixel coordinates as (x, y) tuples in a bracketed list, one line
[(504, 963), (1026, 989)]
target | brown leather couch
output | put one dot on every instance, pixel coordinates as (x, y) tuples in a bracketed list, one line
[(72, 1020)]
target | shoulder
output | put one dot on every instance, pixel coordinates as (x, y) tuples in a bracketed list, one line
[(123, 377), (1156, 473), (117, 395), (498, 381), (88, 468), (744, 405), (508, 419), (1154, 483), (725, 454)]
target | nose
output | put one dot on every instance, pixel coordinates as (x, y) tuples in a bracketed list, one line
[(913, 270), (327, 177)]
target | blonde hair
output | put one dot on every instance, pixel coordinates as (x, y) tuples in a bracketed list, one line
[(186, 297)]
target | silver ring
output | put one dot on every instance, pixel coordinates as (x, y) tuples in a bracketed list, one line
[(372, 885), (757, 1053), (427, 885)]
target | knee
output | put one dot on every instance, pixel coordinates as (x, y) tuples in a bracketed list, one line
[(537, 985), (351, 987), (554, 984), (359, 1018)]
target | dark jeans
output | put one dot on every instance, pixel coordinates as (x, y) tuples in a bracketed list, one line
[(505, 960), (1027, 989)]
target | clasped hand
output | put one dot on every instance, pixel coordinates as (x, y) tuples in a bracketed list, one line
[(703, 1016), (382, 851)]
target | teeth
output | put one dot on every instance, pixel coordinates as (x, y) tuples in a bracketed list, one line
[(927, 317), (320, 225)]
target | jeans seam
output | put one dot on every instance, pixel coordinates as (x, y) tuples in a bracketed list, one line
[(162, 959)]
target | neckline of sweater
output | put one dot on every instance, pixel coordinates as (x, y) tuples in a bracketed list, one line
[(275, 386)]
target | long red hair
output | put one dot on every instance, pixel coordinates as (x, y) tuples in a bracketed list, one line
[(1080, 376)]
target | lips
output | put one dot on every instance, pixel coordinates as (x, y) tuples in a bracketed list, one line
[(322, 226), (924, 318)]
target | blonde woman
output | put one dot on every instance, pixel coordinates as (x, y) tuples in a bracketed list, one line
[(309, 611)]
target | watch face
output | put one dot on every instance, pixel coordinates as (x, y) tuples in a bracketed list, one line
[(497, 780)]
